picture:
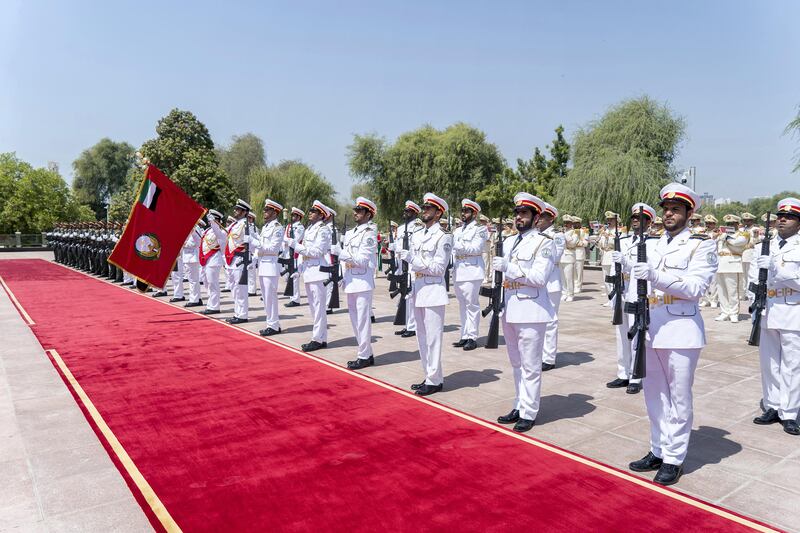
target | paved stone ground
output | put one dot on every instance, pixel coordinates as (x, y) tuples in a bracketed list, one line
[(750, 469)]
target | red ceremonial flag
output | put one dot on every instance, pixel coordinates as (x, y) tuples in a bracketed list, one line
[(160, 221)]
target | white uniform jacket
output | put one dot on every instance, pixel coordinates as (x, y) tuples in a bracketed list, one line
[(730, 248), (554, 283), (359, 258), (582, 245), (605, 241), (268, 245), (525, 281), (628, 245), (783, 285), (314, 252), (469, 243), (190, 253), (299, 232), (214, 237), (431, 249), (570, 243), (684, 268)]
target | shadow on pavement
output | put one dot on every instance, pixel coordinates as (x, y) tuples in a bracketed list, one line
[(709, 445), (558, 407), (470, 378), (399, 356), (573, 358)]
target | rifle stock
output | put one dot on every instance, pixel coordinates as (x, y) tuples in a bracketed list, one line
[(618, 283), (641, 309), (495, 294), (291, 265), (402, 286), (333, 270), (759, 290)]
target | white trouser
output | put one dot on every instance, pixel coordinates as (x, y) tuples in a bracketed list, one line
[(193, 270), (212, 284), (469, 306), (359, 305), (328, 294), (252, 279), (743, 280), (315, 292), (177, 279), (429, 338), (126, 277), (625, 349), (607, 287), (668, 396), (780, 371), (550, 348), (241, 303), (411, 319), (579, 275), (229, 282), (295, 297), (712, 294), (568, 278), (269, 293), (728, 294), (524, 344)]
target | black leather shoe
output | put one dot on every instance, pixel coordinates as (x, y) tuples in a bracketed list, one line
[(460, 343), (210, 312), (361, 363), (546, 367), (633, 388), (510, 418), (770, 416), (417, 386), (173, 300), (470, 345), (617, 383), (523, 425), (194, 304), (790, 427), (251, 293), (409, 334), (426, 389), (400, 332), (668, 474), (160, 294), (372, 319), (313, 345), (236, 320), (646, 464), (329, 312), (292, 304), (225, 290), (269, 332)]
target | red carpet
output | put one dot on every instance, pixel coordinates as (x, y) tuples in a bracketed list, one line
[(234, 433)]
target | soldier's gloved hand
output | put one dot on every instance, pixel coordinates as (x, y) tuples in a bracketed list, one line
[(499, 264), (643, 271), (291, 243), (391, 247), (616, 257), (296, 275), (764, 261), (336, 249), (404, 255)]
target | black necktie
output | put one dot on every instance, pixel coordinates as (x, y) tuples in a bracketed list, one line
[(781, 243), (519, 238), (669, 239), (634, 239)]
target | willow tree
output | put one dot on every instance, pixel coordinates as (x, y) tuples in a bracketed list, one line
[(290, 183), (623, 158)]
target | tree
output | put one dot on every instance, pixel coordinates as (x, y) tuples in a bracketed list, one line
[(34, 199), (184, 151), (121, 202), (100, 172), (454, 163), (291, 184), (245, 153), (623, 158), (794, 128)]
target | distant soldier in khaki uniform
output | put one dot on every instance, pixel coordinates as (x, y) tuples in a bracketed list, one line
[(580, 252), (748, 226), (711, 298), (605, 241), (657, 229), (567, 263), (730, 245)]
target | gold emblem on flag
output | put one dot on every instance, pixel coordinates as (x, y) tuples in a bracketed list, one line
[(148, 246)]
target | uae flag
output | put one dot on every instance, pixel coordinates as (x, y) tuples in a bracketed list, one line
[(160, 221)]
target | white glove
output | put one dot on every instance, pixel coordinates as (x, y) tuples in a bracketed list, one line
[(296, 275), (616, 257), (764, 261), (643, 271), (499, 264), (336, 249), (404, 255), (391, 247), (289, 242)]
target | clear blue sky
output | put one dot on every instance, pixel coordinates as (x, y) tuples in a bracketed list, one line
[(306, 76)]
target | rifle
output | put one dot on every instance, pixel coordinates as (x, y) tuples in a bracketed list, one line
[(290, 264), (390, 272), (243, 278), (618, 282), (640, 309), (760, 291), (333, 269), (403, 286), (495, 294)]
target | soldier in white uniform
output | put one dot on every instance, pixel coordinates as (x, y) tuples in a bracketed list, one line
[(679, 271), (315, 252), (412, 225), (779, 349), (237, 245), (427, 260), (527, 263), (730, 245), (627, 258), (358, 257), (711, 297), (252, 272), (269, 244), (294, 230), (747, 227), (211, 259), (581, 248), (545, 226), (605, 241), (469, 242), (190, 253), (567, 263), (230, 221)]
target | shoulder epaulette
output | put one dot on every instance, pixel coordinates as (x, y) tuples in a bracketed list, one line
[(700, 237), (624, 236), (649, 237), (546, 235)]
